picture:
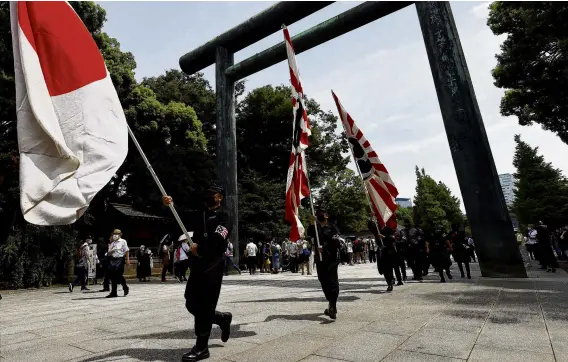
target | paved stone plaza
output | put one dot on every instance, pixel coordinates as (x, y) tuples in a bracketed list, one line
[(280, 318)]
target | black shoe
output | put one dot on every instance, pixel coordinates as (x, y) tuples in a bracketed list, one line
[(469, 277), (195, 355), (331, 313), (126, 291), (71, 286), (463, 275), (111, 295), (225, 326), (553, 270), (104, 290), (442, 280), (390, 288), (399, 283)]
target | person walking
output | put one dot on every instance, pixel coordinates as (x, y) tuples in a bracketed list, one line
[(440, 250), (546, 256), (229, 259), (82, 266), (459, 248), (183, 253), (211, 230), (327, 259), (118, 253)]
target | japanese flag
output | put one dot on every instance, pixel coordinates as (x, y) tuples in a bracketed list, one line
[(72, 133)]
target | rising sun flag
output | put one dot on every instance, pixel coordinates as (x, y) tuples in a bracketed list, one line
[(380, 188)]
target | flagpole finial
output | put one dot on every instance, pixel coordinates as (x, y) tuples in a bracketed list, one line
[(283, 26)]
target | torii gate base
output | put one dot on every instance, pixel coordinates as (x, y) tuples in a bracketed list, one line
[(497, 250)]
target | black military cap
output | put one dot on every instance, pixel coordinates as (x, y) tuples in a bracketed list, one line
[(214, 187)]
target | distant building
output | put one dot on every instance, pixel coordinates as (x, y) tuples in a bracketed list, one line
[(508, 186), (403, 202)]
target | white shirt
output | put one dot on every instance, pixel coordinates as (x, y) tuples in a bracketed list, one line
[(349, 247), (532, 237), (118, 248), (293, 249), (183, 250), (251, 249)]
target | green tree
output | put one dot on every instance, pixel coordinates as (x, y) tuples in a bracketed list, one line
[(264, 132), (261, 208), (451, 205), (542, 190), (170, 134), (344, 199), (404, 214), (428, 209), (533, 63)]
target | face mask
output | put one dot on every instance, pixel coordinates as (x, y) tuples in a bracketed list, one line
[(115, 237), (89, 241), (321, 218)]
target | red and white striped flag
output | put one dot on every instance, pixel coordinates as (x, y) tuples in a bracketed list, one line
[(297, 182), (72, 133), (380, 187)]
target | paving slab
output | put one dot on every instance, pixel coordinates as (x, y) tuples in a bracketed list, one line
[(362, 346), (280, 318), (441, 342), (485, 353)]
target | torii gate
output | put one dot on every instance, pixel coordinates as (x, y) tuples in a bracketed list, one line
[(498, 253)]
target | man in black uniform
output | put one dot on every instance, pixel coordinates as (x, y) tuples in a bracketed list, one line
[(386, 251), (327, 265), (210, 233)]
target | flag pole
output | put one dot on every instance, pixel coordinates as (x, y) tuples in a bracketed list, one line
[(171, 206), (313, 212)]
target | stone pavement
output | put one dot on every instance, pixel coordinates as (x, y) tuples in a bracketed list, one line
[(279, 318)]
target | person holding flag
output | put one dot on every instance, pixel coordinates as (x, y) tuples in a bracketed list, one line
[(379, 187), (210, 232), (327, 261), (298, 188)]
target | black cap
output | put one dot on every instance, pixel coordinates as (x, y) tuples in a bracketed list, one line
[(214, 187), (321, 209), (89, 237)]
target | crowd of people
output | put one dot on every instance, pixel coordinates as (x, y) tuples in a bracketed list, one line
[(544, 245)]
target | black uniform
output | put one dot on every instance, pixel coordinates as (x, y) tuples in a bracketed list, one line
[(440, 255), (460, 251), (417, 252), (546, 256), (210, 232), (401, 250), (327, 267)]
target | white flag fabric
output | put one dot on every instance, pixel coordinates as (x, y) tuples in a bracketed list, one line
[(72, 132)]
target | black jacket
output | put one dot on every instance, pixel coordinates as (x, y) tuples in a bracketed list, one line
[(210, 232)]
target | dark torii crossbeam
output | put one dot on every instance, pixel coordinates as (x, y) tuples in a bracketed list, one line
[(483, 198)]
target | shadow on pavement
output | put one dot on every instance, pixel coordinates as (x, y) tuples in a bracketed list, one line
[(189, 333), (350, 298), (142, 354), (314, 317)]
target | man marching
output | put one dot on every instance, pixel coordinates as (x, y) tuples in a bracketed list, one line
[(329, 254), (210, 235)]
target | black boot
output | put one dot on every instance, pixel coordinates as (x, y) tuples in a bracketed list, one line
[(331, 312), (223, 320), (195, 355), (390, 288), (399, 283)]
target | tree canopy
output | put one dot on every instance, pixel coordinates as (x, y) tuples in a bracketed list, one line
[(533, 63), (345, 201), (434, 204), (542, 190)]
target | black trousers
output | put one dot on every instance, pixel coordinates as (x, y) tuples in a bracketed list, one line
[(251, 264), (202, 294), (389, 275), (117, 274), (327, 275), (294, 264), (181, 269), (372, 257), (460, 266), (81, 277)]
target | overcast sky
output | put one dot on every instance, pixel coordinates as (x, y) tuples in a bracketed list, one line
[(380, 73)]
